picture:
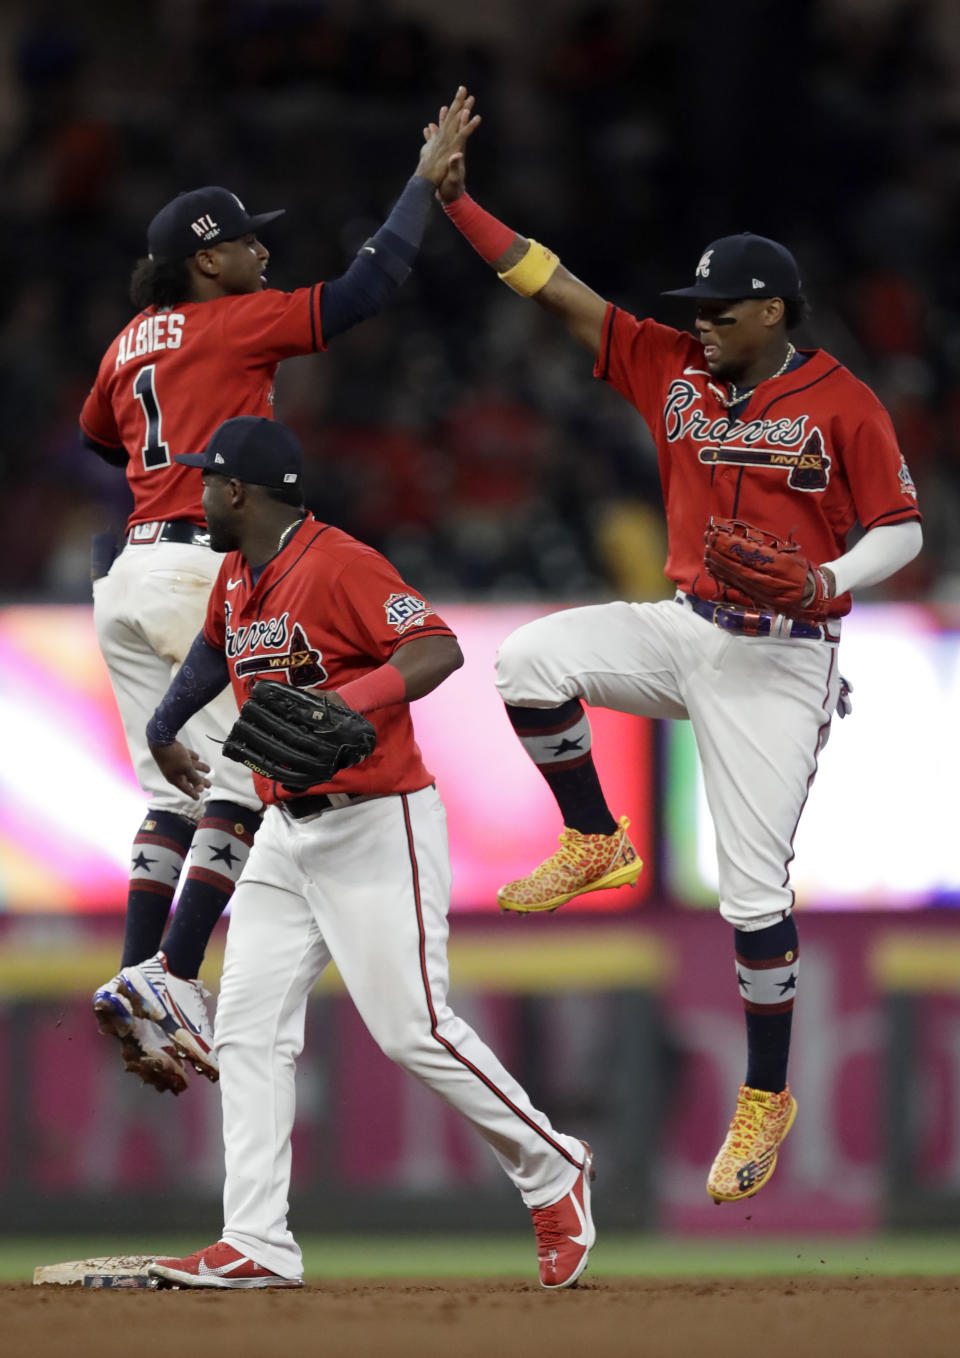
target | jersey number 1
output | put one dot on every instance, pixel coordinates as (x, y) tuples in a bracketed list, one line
[(155, 451)]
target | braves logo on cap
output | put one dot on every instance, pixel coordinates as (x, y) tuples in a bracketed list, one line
[(703, 268)]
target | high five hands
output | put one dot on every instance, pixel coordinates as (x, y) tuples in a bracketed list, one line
[(442, 153)]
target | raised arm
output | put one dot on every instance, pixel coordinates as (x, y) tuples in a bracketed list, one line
[(384, 261), (524, 265)]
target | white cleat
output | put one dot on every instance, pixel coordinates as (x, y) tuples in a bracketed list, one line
[(177, 1007), (145, 1048)]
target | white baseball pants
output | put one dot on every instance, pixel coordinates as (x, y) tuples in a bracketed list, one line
[(147, 612), (760, 708), (367, 886)]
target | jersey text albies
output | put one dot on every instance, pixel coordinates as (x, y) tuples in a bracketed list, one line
[(171, 377)]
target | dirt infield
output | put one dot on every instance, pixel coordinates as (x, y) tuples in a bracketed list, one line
[(845, 1318)]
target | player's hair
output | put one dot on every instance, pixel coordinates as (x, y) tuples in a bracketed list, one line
[(159, 282), (796, 311)]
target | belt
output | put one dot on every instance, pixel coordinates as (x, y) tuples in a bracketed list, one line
[(300, 807), (169, 530), (753, 623)]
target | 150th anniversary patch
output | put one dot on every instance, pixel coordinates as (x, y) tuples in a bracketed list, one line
[(405, 611)]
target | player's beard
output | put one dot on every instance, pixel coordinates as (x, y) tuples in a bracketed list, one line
[(223, 538)]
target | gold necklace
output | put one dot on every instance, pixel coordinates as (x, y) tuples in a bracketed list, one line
[(735, 399), (286, 533)]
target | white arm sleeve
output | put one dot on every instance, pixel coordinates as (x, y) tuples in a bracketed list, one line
[(877, 555)]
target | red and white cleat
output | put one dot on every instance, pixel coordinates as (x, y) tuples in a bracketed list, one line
[(219, 1265), (565, 1231)]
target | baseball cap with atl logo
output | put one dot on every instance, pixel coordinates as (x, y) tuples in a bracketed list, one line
[(203, 217), (252, 449), (735, 267)]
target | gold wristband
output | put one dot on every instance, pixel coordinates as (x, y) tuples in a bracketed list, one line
[(532, 272)]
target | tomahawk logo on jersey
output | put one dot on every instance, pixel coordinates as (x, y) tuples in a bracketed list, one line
[(151, 395), (287, 649), (811, 453), (325, 610)]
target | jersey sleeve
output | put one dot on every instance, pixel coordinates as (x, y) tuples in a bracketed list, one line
[(879, 478), (270, 325), (380, 610), (97, 419), (636, 356), (214, 630)]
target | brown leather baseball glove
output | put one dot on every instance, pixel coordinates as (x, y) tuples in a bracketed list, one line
[(772, 573)]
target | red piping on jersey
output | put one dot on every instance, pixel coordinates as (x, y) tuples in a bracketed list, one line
[(313, 318), (813, 774), (415, 875), (416, 632), (276, 582), (795, 391), (780, 396)]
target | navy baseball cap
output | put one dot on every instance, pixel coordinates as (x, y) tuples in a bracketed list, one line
[(252, 449), (200, 218), (735, 267)]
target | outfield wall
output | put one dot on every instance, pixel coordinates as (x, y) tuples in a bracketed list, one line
[(628, 1033), (620, 1014)]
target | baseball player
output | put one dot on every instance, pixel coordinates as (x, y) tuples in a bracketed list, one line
[(757, 440), (355, 870), (204, 346)]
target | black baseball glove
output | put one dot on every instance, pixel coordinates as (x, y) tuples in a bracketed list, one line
[(297, 737)]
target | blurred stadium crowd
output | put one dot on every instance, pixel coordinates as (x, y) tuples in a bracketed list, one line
[(462, 432)]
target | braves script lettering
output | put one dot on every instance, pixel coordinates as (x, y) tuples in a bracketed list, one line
[(785, 444), (681, 422), (263, 634)]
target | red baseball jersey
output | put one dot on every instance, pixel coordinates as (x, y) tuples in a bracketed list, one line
[(173, 375), (811, 453), (325, 610)]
